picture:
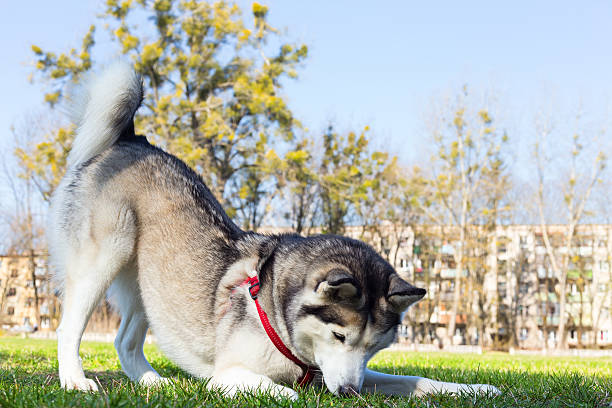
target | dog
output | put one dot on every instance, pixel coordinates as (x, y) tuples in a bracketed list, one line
[(246, 311)]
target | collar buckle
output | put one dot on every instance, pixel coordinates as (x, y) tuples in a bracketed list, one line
[(254, 290)]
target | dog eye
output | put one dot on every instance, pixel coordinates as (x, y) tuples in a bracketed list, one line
[(339, 337)]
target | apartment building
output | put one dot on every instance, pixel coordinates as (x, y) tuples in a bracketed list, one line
[(509, 290), (27, 301)]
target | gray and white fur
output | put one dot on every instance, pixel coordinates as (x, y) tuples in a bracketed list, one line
[(135, 223)]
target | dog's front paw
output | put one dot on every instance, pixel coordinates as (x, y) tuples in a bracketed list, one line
[(152, 379), (79, 384), (283, 392), (482, 389)]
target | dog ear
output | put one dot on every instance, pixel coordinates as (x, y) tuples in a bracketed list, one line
[(339, 284), (266, 253), (401, 294)]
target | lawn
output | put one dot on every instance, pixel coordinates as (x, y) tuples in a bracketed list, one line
[(28, 378)]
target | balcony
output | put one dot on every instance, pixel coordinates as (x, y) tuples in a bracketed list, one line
[(448, 273), (552, 297), (446, 296), (448, 249), (550, 320), (544, 273), (575, 298), (577, 273)]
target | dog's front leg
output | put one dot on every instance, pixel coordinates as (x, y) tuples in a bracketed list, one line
[(389, 384), (233, 380)]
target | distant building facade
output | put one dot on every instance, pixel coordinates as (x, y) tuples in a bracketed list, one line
[(509, 290), (27, 300)]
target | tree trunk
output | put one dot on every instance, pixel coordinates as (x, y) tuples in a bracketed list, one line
[(452, 324), (32, 265)]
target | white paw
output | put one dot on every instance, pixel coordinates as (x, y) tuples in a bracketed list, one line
[(482, 389), (275, 390), (79, 383), (280, 391), (152, 379)]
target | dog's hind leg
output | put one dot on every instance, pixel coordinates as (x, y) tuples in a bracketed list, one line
[(124, 294), (106, 246)]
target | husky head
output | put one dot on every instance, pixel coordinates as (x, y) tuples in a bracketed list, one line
[(342, 303)]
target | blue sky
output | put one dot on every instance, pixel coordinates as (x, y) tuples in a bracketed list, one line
[(379, 63)]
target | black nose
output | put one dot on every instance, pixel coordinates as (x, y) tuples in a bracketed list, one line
[(419, 292), (348, 390)]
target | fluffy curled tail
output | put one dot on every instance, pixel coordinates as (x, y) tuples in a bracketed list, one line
[(103, 108)]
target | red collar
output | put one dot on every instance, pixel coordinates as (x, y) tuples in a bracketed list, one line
[(253, 291)]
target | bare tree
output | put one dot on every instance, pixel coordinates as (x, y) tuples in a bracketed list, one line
[(577, 190), (468, 146), (24, 220)]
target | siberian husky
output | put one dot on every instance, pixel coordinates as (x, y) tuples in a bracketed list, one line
[(135, 223)]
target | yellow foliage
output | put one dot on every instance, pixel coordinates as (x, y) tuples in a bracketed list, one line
[(298, 156), (259, 10), (243, 193), (150, 53), (209, 96), (52, 97)]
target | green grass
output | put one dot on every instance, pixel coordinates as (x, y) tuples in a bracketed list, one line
[(28, 378)]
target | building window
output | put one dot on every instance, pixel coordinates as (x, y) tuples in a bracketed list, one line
[(45, 322), (11, 292), (524, 333), (603, 335), (29, 301), (501, 288), (541, 272), (26, 320), (10, 311), (30, 284), (14, 273)]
